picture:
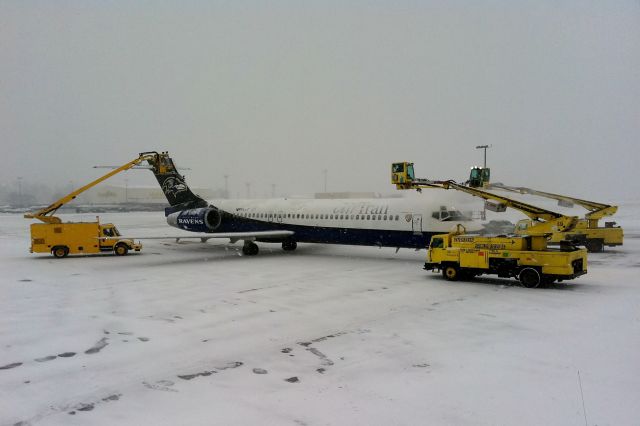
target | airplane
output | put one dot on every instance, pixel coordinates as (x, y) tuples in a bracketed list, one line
[(382, 222)]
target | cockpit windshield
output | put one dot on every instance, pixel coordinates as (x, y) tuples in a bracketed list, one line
[(451, 214)]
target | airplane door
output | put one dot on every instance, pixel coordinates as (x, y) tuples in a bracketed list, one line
[(279, 217), (416, 223)]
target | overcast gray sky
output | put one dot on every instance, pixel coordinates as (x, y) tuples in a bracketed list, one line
[(275, 92)]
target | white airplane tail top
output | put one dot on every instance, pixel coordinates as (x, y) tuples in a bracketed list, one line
[(173, 184)]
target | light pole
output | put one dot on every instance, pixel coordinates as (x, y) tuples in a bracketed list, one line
[(484, 207), (273, 190), (226, 186), (248, 184), (485, 153)]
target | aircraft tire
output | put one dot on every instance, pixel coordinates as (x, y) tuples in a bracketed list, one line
[(289, 245), (250, 249)]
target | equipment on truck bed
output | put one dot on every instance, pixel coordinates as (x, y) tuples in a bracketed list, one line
[(587, 231), (61, 239), (459, 255)]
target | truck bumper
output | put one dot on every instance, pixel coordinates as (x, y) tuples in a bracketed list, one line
[(431, 266), (569, 277)]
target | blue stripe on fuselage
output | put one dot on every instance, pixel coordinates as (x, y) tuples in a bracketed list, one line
[(329, 235)]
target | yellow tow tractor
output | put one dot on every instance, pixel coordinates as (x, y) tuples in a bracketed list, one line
[(526, 257), (64, 238)]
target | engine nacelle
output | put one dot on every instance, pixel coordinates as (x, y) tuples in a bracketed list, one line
[(196, 220)]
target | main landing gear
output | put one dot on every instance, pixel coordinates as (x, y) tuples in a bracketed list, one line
[(250, 248), (289, 245)]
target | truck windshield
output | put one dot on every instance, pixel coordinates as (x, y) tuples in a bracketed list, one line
[(397, 168), (410, 171), (436, 243)]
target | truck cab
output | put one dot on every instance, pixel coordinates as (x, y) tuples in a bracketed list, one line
[(109, 240), (402, 175), (479, 177)]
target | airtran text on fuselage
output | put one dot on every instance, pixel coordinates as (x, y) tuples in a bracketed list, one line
[(347, 210), (362, 209)]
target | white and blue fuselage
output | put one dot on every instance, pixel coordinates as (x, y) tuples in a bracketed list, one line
[(383, 222)]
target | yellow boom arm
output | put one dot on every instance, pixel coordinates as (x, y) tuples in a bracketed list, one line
[(596, 210), (43, 214), (548, 221)]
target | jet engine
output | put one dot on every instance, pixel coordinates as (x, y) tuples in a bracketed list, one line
[(205, 219)]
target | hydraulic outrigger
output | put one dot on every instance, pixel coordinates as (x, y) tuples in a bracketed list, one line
[(61, 239), (527, 257)]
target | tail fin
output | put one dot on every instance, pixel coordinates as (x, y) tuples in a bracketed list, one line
[(173, 185)]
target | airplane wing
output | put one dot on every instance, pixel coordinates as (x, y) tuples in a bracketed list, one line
[(233, 236)]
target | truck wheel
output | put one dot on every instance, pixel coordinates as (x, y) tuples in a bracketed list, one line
[(529, 277), (451, 273), (594, 246), (60, 251), (121, 249)]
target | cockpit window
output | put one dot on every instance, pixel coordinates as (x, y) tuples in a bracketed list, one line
[(449, 215)]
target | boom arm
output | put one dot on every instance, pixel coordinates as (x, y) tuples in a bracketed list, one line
[(596, 210), (43, 214), (548, 221)]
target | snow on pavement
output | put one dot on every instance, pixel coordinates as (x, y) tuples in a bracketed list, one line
[(191, 333)]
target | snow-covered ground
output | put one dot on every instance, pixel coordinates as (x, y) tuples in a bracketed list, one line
[(196, 334)]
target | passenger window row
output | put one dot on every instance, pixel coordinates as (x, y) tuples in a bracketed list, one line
[(319, 216)]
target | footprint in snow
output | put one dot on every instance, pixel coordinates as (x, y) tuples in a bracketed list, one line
[(46, 358), (100, 344), (12, 365)]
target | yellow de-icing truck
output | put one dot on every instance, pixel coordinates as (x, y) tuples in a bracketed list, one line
[(61, 239), (528, 259), (587, 231), (525, 257)]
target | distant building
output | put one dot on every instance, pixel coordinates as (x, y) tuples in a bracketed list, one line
[(346, 194)]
